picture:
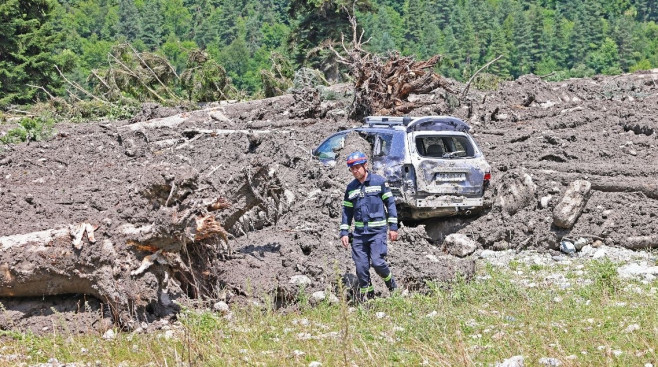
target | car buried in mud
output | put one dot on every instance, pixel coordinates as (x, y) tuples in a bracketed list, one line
[(432, 164)]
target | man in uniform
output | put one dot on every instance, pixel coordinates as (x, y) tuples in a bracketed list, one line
[(369, 201)]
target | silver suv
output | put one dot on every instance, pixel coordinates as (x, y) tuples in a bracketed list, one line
[(432, 164)]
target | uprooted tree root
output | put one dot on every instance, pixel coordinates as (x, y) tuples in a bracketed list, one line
[(382, 86), (140, 269)]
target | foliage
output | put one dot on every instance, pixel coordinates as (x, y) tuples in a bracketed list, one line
[(26, 50), (29, 129), (205, 80), (250, 39)]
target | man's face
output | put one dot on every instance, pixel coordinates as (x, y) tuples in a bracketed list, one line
[(358, 171)]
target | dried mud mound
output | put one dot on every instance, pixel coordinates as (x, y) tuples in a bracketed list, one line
[(227, 203)]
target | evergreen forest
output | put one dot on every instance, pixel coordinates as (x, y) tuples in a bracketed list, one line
[(208, 50)]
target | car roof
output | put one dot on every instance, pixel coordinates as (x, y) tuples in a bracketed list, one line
[(409, 124)]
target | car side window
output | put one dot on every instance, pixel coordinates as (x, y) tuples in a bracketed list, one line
[(327, 150), (382, 145)]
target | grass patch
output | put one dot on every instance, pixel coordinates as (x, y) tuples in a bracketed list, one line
[(29, 129), (599, 320)]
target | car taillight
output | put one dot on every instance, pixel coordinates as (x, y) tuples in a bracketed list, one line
[(487, 176)]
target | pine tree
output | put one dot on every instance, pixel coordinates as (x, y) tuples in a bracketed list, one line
[(315, 22), (578, 46), (498, 47), (414, 19), (230, 12), (130, 23), (558, 48), (622, 33), (177, 19), (522, 57), (537, 45), (152, 25), (26, 41), (592, 24)]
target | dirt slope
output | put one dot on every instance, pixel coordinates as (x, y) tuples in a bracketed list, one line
[(142, 185)]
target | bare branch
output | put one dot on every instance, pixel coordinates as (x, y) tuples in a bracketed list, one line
[(476, 73), (78, 87)]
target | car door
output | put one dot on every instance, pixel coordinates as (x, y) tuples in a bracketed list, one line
[(326, 151)]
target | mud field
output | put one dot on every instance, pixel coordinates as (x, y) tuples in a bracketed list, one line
[(129, 219)]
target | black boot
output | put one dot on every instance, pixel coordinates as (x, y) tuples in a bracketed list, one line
[(391, 285)]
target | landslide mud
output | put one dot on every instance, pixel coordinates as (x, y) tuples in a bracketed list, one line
[(285, 206)]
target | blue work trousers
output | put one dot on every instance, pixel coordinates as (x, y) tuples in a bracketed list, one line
[(367, 249)]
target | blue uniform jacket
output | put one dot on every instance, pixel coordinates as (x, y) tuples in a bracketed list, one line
[(365, 202)]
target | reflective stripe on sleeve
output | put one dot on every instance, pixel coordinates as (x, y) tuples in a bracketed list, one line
[(392, 220), (348, 204), (378, 223), (344, 227), (386, 195), (358, 224)]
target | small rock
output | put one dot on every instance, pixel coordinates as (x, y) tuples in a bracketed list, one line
[(617, 353), (222, 307), (487, 254), (567, 247), (380, 315), (300, 280), (571, 205), (516, 361), (459, 245), (631, 328), (600, 253), (543, 202), (432, 314), (109, 335), (550, 362), (315, 364), (580, 242), (597, 243)]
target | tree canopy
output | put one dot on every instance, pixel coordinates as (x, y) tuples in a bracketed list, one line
[(561, 38)]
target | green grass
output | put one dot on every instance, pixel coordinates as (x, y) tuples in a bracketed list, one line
[(480, 322), (29, 129)]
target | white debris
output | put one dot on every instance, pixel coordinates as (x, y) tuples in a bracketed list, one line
[(516, 361), (109, 335), (149, 260), (550, 362), (631, 328), (300, 280), (221, 307)]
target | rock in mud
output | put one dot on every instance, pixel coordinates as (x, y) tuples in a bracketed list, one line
[(515, 191), (571, 205), (459, 245)]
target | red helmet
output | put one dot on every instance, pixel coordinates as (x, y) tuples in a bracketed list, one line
[(356, 158)]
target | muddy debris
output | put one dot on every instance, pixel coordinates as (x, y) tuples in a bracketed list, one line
[(226, 203)]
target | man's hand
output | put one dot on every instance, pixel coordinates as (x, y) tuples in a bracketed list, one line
[(345, 240), (393, 235)]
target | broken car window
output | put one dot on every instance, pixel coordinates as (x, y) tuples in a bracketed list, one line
[(327, 150), (444, 146)]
